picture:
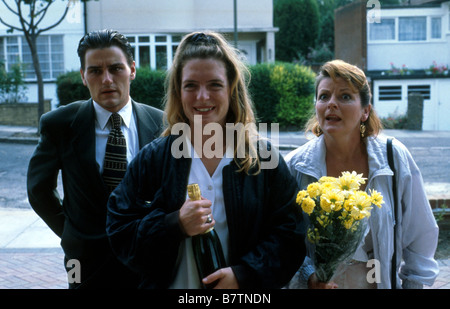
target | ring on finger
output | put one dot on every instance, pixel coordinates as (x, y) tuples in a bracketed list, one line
[(208, 219)]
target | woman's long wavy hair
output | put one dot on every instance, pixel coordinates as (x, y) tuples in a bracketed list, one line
[(358, 82), (212, 45)]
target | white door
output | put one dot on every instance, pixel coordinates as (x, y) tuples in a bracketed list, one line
[(428, 89), (443, 104), (248, 50)]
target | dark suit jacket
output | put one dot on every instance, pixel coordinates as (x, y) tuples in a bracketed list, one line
[(67, 144)]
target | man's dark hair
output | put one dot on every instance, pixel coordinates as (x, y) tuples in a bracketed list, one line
[(104, 39)]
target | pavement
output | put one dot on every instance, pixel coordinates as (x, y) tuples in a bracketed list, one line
[(30, 253)]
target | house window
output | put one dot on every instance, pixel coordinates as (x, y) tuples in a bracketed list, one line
[(144, 56), (424, 90), (12, 52), (154, 51), (401, 29), (50, 52), (436, 28), (412, 28), (389, 93), (385, 30), (51, 57)]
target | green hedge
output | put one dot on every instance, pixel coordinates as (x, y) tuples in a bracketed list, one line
[(281, 92), (70, 88), (148, 87)]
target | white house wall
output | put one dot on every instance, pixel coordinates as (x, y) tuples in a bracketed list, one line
[(415, 56), (173, 17), (143, 16)]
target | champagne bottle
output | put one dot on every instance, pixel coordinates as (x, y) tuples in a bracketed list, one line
[(206, 246)]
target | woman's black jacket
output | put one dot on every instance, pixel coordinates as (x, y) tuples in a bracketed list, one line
[(266, 232)]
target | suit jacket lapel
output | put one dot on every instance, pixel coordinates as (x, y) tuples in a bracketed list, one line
[(83, 130), (147, 128)]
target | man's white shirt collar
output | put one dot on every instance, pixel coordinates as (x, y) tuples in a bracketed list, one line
[(103, 115)]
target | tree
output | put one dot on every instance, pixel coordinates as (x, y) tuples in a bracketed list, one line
[(298, 21), (30, 14), (307, 28), (12, 85)]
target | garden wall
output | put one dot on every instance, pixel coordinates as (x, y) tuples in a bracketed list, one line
[(21, 114)]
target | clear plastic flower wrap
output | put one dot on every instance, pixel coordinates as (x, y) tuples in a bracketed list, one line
[(330, 251), (338, 213)]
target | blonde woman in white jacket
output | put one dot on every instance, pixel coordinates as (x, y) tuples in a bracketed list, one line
[(347, 139)]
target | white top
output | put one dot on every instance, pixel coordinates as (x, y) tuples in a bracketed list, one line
[(103, 126), (211, 189)]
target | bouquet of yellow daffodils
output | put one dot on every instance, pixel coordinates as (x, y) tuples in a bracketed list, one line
[(336, 209)]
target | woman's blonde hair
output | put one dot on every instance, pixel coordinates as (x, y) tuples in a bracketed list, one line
[(358, 83), (212, 45)]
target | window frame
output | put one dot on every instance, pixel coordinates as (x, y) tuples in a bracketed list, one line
[(154, 42), (23, 50), (428, 30)]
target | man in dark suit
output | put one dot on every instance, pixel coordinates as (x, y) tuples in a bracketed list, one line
[(73, 141)]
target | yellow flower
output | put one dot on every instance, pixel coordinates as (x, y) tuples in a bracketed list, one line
[(347, 205), (348, 223), (347, 185), (328, 179), (333, 198), (357, 177), (340, 207), (329, 186), (360, 199), (300, 196), (361, 205), (314, 189), (325, 205), (323, 220), (350, 182), (377, 198), (308, 205), (313, 235), (356, 214)]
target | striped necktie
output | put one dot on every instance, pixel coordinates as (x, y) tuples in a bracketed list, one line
[(115, 162)]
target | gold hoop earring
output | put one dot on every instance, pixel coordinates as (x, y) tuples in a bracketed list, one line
[(362, 129)]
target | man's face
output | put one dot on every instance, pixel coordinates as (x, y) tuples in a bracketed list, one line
[(108, 76)]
